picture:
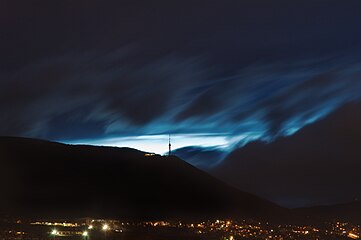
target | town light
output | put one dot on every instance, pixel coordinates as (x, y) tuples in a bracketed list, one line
[(85, 234), (90, 227), (54, 232), (105, 227)]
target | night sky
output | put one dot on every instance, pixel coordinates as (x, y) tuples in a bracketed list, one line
[(216, 75)]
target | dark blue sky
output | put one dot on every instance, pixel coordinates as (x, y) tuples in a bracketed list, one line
[(215, 74)]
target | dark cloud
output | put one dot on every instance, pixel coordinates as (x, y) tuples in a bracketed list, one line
[(82, 89), (307, 97), (317, 165)]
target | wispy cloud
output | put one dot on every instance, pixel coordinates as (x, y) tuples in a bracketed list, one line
[(255, 71)]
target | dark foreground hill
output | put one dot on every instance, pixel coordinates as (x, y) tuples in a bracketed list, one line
[(51, 179), (348, 212)]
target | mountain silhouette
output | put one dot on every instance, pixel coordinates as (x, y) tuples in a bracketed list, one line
[(42, 178)]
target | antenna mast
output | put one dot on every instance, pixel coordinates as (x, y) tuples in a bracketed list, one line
[(170, 147)]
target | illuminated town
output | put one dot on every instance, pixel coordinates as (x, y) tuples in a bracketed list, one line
[(211, 229), (180, 120)]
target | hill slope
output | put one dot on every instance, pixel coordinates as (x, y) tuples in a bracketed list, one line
[(47, 178), (348, 212)]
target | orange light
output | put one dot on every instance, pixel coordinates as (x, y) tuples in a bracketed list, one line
[(353, 236)]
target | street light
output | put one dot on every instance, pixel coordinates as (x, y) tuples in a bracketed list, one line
[(54, 232), (105, 228), (90, 227), (85, 234)]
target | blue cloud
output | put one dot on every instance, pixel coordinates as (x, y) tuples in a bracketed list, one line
[(201, 157), (256, 71)]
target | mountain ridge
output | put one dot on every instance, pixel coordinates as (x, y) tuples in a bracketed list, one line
[(54, 178)]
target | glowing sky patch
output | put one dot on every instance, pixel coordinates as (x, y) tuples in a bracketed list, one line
[(159, 143)]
